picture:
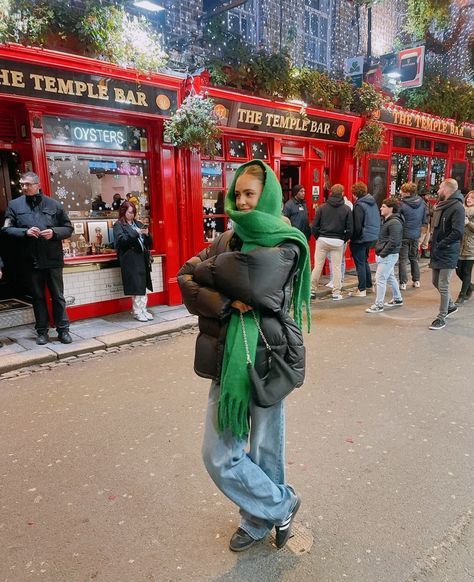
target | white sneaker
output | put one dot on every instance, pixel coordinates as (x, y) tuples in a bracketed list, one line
[(416, 284), (403, 286), (374, 309), (330, 285), (337, 297), (140, 317), (358, 293), (148, 315)]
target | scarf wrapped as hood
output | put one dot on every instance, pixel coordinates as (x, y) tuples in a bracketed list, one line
[(260, 227)]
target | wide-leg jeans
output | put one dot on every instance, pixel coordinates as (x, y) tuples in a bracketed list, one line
[(250, 472), (386, 275)]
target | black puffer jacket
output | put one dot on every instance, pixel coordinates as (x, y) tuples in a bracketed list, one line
[(219, 275), (390, 238)]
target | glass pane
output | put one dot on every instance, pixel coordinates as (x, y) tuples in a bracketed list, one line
[(211, 174), (230, 170), (420, 171), (401, 141), (213, 202), (441, 147), (237, 148), (438, 173), (399, 172), (423, 144), (259, 150), (93, 187), (322, 52), (323, 23), (213, 226), (458, 172)]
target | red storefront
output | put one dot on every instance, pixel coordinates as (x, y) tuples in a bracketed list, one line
[(300, 145), (92, 130), (421, 148)]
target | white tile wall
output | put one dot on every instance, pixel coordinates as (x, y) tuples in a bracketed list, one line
[(103, 284)]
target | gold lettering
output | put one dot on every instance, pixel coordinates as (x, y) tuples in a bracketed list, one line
[(37, 80), (17, 79), (4, 77), (445, 127), (326, 128), (141, 99), (102, 90), (293, 123), (119, 95), (241, 113), (65, 87), (269, 117), (50, 84), (81, 87)]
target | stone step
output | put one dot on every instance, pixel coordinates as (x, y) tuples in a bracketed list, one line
[(14, 312)]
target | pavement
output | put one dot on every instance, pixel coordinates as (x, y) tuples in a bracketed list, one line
[(96, 334)]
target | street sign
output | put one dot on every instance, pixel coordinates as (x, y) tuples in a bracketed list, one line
[(411, 64), (354, 68)]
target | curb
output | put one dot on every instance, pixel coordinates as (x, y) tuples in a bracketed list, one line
[(12, 362)]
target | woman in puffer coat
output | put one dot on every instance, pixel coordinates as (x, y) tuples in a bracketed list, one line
[(466, 257), (258, 269)]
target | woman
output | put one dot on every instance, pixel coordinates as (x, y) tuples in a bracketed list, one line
[(258, 269), (133, 244), (466, 258)]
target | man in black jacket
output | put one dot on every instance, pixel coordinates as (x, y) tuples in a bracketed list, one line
[(448, 230), (387, 251), (39, 224), (297, 211), (332, 227)]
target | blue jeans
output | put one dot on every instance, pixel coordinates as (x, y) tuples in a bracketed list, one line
[(360, 254), (250, 472), (386, 274)]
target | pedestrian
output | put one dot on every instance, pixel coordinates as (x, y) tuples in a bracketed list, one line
[(415, 215), (364, 237), (387, 251), (466, 257), (425, 236), (297, 211), (330, 283), (332, 228), (133, 243), (117, 201), (261, 268), (448, 230), (39, 224)]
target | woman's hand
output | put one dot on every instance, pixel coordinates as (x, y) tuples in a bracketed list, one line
[(242, 307), (144, 230)]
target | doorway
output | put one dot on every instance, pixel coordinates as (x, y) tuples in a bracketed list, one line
[(290, 175)]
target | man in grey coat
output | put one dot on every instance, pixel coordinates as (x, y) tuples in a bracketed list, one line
[(448, 230)]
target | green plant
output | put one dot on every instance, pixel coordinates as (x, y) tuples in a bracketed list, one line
[(370, 138), (448, 98), (421, 14), (194, 126), (367, 100)]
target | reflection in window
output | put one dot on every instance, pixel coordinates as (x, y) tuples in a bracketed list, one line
[(211, 174), (438, 173), (420, 172), (399, 172), (93, 187), (230, 170)]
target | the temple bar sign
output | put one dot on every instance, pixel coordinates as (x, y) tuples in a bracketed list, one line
[(426, 123), (244, 116), (62, 85)]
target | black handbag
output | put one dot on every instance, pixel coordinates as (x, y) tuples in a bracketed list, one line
[(283, 374)]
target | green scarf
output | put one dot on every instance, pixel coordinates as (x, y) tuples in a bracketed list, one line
[(261, 227)]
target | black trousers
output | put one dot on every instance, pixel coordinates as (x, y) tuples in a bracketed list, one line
[(53, 279)]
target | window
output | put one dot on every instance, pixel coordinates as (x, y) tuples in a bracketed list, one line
[(91, 189), (242, 21), (438, 174), (316, 33), (401, 141), (399, 172), (441, 147), (423, 144), (420, 171)]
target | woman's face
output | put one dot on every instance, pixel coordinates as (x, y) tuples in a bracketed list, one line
[(470, 199), (129, 215), (248, 190)]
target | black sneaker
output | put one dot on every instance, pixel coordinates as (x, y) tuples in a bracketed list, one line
[(394, 303), (452, 310), (283, 531), (438, 324), (241, 541), (42, 339), (65, 337)]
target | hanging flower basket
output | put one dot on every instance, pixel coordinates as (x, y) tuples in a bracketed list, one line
[(370, 139), (194, 126)]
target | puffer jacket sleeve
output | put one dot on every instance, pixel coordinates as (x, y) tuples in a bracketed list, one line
[(257, 278), (199, 297)]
